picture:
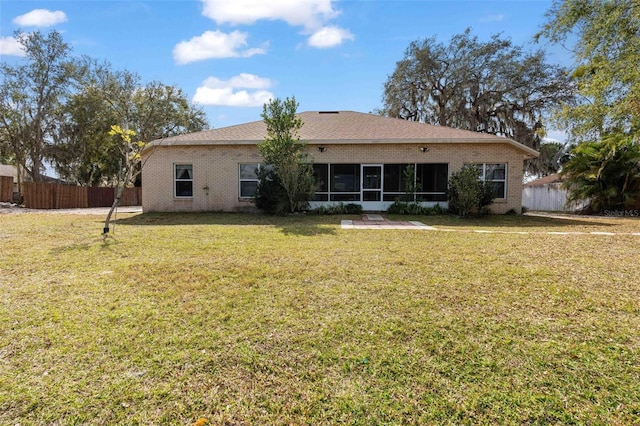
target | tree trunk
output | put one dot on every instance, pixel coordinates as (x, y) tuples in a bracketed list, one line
[(19, 173), (116, 203)]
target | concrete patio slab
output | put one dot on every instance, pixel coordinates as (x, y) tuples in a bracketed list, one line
[(375, 221)]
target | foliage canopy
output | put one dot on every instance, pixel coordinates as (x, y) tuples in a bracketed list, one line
[(605, 173), (31, 98), (606, 72), (468, 193), (604, 165), (285, 155), (491, 87), (60, 109), (552, 156), (86, 154)]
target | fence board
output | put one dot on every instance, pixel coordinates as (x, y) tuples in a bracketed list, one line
[(39, 195), (100, 197), (53, 196), (131, 197), (6, 189), (549, 197), (71, 197)]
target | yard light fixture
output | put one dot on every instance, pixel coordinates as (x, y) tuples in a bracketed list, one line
[(321, 148), (424, 148)]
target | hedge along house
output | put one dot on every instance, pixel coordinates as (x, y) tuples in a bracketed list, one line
[(357, 158)]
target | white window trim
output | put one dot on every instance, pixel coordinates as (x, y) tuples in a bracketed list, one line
[(175, 180), (506, 174), (240, 180)]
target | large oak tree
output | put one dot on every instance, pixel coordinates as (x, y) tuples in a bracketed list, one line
[(85, 152), (489, 86), (58, 108), (31, 98)]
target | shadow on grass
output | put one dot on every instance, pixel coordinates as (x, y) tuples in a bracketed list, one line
[(310, 225), (100, 242), (295, 225)]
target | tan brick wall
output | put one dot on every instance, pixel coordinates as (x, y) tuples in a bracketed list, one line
[(215, 170)]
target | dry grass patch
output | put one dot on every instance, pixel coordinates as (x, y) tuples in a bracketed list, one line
[(257, 320)]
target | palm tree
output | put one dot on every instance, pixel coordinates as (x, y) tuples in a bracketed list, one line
[(605, 173)]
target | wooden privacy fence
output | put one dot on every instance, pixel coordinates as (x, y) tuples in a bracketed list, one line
[(6, 189), (55, 196)]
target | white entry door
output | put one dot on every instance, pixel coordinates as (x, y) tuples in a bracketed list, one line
[(371, 187)]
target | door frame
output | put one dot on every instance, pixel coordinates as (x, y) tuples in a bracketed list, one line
[(372, 205)]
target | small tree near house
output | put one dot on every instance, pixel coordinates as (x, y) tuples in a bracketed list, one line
[(287, 182), (467, 193), (130, 150)]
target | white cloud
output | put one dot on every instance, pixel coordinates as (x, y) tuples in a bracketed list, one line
[(214, 91), (214, 44), (40, 18), (11, 46), (245, 80), (309, 13), (227, 97), (329, 37)]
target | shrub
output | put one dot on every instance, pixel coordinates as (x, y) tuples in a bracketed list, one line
[(338, 209), (270, 195), (414, 208), (438, 209), (467, 193), (352, 208)]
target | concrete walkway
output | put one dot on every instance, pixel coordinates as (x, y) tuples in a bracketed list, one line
[(376, 221)]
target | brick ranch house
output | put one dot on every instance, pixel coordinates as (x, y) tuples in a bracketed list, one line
[(357, 158)]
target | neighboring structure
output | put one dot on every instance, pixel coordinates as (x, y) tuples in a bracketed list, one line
[(8, 191), (548, 194), (357, 158)]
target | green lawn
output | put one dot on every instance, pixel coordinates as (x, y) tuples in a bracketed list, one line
[(246, 319)]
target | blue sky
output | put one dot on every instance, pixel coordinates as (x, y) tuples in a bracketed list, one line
[(230, 56)]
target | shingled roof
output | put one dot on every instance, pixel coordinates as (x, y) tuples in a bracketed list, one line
[(555, 178), (343, 127)]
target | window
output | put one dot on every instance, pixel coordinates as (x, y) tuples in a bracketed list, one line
[(386, 182), (495, 174), (395, 181), (183, 180), (345, 182), (432, 181), (321, 176), (248, 179)]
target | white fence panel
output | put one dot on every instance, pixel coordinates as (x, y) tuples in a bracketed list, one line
[(546, 197)]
